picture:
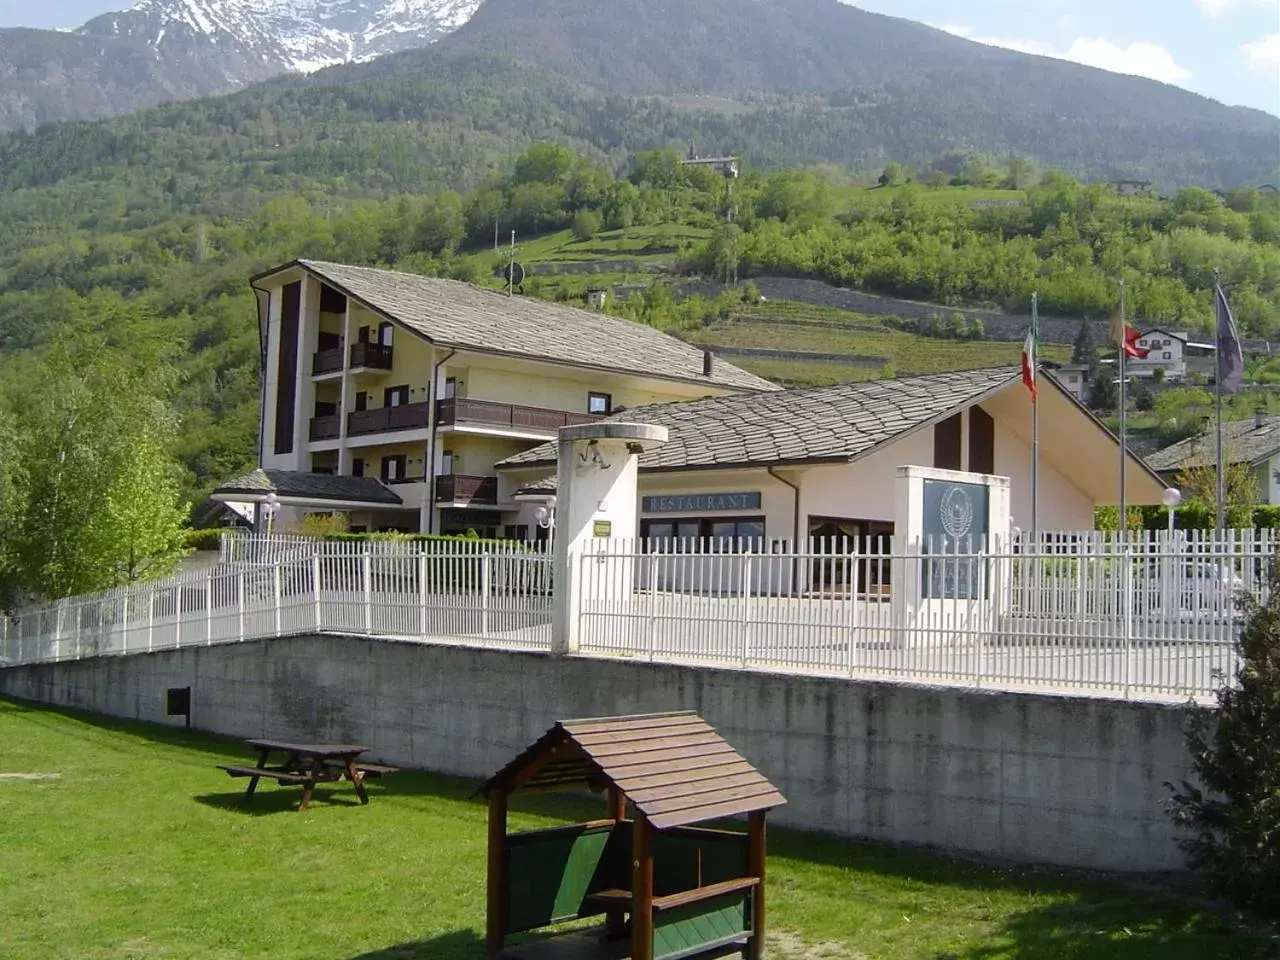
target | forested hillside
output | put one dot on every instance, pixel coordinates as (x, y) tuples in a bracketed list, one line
[(150, 243)]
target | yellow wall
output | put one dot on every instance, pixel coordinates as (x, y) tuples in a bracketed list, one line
[(475, 456), (543, 386)]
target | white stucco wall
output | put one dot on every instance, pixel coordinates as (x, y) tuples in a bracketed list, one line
[(1062, 505)]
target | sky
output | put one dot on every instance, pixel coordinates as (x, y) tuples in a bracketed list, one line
[(1225, 49)]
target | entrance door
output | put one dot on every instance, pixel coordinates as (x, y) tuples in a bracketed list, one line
[(835, 540)]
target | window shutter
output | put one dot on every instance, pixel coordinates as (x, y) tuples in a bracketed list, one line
[(946, 444), (982, 441)]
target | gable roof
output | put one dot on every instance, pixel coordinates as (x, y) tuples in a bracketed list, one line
[(450, 313), (823, 425), (1247, 441), (673, 767), (289, 484)]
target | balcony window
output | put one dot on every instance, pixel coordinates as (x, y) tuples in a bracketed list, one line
[(395, 397), (357, 468), (362, 401), (599, 404)]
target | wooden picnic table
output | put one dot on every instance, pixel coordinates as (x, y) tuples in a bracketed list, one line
[(307, 764)]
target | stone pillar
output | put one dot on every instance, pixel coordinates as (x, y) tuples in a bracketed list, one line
[(595, 503), (949, 513)]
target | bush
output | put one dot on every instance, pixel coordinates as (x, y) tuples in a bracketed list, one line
[(587, 224), (205, 539), (1232, 816)]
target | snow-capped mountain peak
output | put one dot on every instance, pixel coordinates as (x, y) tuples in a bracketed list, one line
[(256, 39)]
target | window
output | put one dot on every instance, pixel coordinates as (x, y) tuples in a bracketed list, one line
[(357, 468), (393, 468), (395, 396), (362, 401), (725, 534), (517, 531), (385, 334), (362, 335), (1167, 356), (946, 444), (450, 388), (446, 463), (600, 404), (982, 441)]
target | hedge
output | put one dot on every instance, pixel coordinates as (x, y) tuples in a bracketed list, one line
[(205, 539)]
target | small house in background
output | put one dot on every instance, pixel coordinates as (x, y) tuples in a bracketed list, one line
[(1255, 442), (1133, 188), (596, 298), (1074, 378), (1174, 353), (1269, 189), (727, 167)]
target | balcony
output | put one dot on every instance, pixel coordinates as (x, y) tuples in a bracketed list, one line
[(455, 488), (371, 356), (326, 361), (325, 428), (458, 411), (409, 416)]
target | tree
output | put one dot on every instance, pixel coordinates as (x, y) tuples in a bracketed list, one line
[(1085, 348), (1104, 393), (442, 226), (934, 179), (1021, 172), (893, 175), (1231, 816), (586, 224), (1199, 483), (549, 163), (725, 249), (96, 498)]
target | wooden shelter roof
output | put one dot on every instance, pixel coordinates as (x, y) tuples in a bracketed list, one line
[(673, 767)]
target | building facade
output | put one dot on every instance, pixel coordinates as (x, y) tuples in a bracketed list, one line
[(420, 386), (822, 463)]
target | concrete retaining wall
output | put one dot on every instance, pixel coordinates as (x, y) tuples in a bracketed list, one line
[(1070, 781)]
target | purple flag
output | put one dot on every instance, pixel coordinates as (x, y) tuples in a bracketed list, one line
[(1230, 353)]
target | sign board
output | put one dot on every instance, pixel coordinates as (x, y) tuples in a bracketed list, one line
[(602, 528), (957, 519), (702, 503)]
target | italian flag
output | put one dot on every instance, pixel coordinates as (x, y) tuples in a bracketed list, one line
[(1029, 361)]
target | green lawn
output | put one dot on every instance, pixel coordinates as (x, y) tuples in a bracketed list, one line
[(138, 848)]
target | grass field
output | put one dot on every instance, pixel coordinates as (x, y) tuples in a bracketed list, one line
[(136, 848)]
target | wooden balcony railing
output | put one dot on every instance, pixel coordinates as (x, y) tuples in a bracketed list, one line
[(410, 416), (326, 361), (459, 410), (371, 355), (325, 428), (456, 488)]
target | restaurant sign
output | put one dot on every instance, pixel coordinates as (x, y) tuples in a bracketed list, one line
[(702, 503)]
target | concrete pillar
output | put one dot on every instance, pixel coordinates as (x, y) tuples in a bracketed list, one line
[(948, 512), (595, 503)]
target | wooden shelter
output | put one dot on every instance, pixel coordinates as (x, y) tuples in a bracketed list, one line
[(688, 891)]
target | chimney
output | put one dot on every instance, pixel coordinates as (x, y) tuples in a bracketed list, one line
[(708, 358)]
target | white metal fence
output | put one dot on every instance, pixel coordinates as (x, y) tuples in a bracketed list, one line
[(1136, 616), (470, 592)]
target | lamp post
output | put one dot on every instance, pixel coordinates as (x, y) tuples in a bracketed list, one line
[(272, 505), (1172, 499)]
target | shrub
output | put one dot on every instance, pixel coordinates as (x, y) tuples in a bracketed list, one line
[(205, 539), (586, 224), (1232, 816)]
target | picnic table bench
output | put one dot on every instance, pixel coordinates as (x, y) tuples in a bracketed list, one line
[(306, 764)]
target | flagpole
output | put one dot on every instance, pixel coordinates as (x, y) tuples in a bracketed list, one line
[(1217, 391), (1120, 358), (1035, 424)]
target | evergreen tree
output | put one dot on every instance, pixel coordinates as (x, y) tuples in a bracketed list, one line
[(1232, 815), (1085, 349)]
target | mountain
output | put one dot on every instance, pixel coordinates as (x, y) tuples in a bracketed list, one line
[(783, 82), (163, 50)]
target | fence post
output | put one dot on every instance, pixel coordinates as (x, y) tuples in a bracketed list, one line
[(240, 605), (655, 557), (422, 590), (275, 578), (315, 587), (151, 619), (366, 569), (744, 609), (1127, 586), (208, 611), (486, 592)]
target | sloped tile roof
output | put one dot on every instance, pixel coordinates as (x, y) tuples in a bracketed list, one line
[(455, 314), (1245, 441), (673, 767), (798, 426), (310, 486)]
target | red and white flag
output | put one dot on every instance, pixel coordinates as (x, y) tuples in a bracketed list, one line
[(1029, 361)]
